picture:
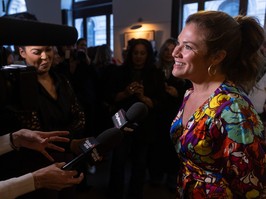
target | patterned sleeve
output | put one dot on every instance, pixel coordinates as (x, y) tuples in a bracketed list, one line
[(243, 147)]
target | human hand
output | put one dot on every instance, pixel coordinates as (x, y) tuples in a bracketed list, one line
[(171, 90), (139, 90), (53, 177), (136, 88), (39, 141), (75, 145)]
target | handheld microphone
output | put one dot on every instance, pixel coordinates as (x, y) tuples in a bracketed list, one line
[(129, 121), (93, 148)]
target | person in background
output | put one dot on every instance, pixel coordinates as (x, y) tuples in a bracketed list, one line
[(137, 80), (81, 46), (174, 87), (55, 108), (105, 68), (257, 94), (7, 56), (83, 79), (165, 171), (50, 177), (217, 133), (57, 57), (63, 61)]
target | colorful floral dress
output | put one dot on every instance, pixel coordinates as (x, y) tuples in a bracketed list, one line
[(220, 148)]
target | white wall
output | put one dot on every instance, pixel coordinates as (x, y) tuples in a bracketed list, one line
[(156, 16), (48, 11)]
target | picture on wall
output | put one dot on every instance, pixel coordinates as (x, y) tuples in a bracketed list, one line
[(148, 34)]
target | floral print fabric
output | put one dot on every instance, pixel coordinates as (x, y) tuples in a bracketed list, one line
[(220, 147)]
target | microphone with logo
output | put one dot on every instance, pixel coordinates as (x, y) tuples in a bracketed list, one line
[(129, 121), (93, 148)]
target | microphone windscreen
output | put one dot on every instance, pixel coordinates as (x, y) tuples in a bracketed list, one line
[(104, 143), (108, 140), (27, 32), (137, 112)]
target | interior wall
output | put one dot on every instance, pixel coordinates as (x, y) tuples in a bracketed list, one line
[(48, 11), (156, 16)]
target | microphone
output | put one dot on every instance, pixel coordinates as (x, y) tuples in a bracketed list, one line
[(28, 32), (93, 148), (129, 121)]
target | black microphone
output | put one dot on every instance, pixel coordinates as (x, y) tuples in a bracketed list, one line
[(129, 121), (93, 148), (28, 32)]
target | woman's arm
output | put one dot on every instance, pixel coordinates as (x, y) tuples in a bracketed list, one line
[(50, 177), (35, 140), (14, 187), (5, 144), (243, 149)]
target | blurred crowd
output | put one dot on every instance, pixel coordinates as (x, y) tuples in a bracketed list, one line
[(104, 85)]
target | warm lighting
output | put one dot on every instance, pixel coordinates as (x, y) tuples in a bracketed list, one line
[(149, 35), (137, 25)]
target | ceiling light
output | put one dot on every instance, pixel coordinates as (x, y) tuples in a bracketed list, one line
[(137, 25)]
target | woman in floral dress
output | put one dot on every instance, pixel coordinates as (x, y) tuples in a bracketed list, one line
[(217, 133)]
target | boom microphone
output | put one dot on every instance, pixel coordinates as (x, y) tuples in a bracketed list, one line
[(28, 32), (129, 121), (93, 149)]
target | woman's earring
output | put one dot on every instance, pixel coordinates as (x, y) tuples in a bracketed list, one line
[(211, 70)]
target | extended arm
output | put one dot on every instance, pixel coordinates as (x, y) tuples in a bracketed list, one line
[(51, 177)]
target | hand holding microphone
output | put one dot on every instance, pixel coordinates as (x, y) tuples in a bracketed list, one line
[(52, 177)]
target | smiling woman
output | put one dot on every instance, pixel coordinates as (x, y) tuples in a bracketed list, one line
[(40, 57), (56, 108), (217, 133)]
